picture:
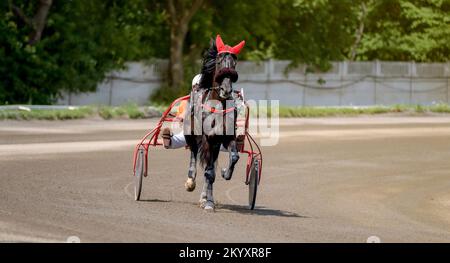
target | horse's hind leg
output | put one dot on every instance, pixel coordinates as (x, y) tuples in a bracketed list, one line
[(192, 173), (227, 173)]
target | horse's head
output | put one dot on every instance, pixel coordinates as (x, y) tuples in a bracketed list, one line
[(225, 72)]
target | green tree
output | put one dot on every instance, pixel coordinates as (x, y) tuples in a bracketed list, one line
[(407, 30), (253, 21), (48, 46), (180, 13), (316, 32), (81, 42)]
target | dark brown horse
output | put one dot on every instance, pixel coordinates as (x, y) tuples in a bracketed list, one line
[(211, 119)]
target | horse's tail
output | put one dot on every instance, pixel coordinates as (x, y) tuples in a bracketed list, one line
[(205, 153)]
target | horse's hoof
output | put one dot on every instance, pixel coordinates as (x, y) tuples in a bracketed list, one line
[(190, 185), (224, 172), (209, 206), (202, 203)]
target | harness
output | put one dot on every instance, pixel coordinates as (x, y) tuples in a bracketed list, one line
[(213, 109)]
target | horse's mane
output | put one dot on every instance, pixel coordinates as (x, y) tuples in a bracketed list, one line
[(208, 66)]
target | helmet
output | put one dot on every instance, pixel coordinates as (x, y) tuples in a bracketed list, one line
[(196, 80)]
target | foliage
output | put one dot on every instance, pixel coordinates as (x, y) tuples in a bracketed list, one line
[(82, 41), (254, 21), (407, 30), (315, 32)]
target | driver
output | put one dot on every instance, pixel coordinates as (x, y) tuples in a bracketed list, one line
[(175, 141)]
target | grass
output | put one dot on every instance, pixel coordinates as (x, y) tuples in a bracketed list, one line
[(66, 114), (440, 108), (132, 111), (311, 112)]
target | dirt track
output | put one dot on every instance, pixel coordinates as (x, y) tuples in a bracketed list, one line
[(328, 180)]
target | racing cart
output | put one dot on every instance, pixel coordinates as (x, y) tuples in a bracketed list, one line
[(246, 145)]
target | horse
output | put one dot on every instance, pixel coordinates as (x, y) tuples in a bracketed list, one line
[(213, 103)]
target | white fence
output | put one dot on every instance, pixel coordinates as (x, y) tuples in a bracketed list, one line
[(345, 84)]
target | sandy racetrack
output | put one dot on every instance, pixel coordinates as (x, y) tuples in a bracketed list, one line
[(328, 180)]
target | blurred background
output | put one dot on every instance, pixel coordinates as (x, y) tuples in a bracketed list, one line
[(302, 52)]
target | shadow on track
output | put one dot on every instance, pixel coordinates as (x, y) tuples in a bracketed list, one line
[(155, 201), (259, 210), (167, 201), (242, 209)]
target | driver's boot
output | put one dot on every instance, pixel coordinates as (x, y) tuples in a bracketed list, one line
[(167, 137)]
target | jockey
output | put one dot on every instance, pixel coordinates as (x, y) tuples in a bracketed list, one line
[(176, 141)]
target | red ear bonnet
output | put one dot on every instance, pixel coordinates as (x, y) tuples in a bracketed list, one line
[(219, 44), (237, 49), (221, 47)]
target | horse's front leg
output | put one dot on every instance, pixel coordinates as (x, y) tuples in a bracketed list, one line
[(227, 173), (207, 197), (192, 173)]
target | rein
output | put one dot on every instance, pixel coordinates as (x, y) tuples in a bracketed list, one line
[(213, 109)]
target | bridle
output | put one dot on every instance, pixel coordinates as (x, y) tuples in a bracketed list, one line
[(227, 66)]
